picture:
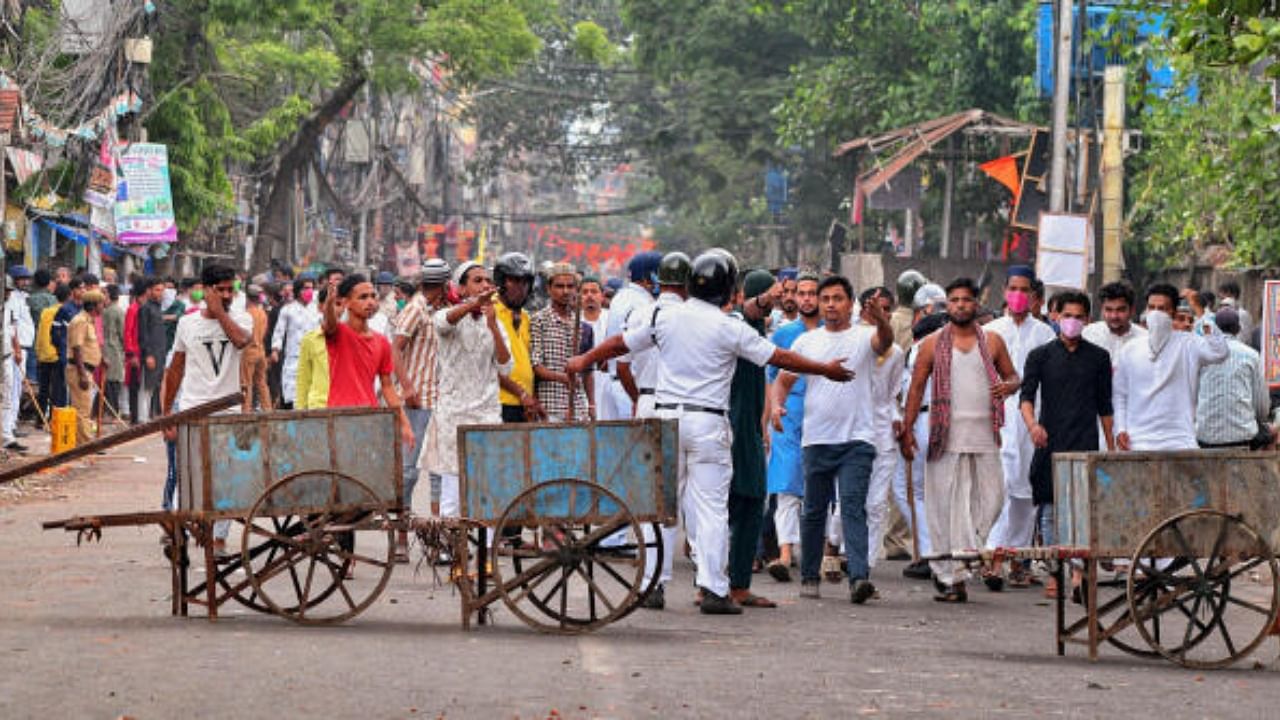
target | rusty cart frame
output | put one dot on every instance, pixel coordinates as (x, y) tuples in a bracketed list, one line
[(579, 502)]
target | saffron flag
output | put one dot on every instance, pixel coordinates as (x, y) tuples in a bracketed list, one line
[(1004, 171)]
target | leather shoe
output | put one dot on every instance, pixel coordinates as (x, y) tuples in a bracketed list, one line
[(713, 604), (656, 599)]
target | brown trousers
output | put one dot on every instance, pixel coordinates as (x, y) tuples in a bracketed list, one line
[(253, 377), (82, 401)]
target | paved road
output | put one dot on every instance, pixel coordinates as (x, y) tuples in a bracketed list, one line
[(86, 633)]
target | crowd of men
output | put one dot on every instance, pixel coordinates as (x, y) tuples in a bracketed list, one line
[(819, 426)]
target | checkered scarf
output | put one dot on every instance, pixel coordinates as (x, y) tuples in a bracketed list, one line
[(940, 403)]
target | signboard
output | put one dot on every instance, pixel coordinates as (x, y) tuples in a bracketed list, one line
[(1271, 332), (144, 201), (1062, 256)]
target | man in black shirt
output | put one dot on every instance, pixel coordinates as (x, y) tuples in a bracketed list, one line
[(1073, 379)]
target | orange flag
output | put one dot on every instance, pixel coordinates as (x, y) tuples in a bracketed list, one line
[(1004, 171)]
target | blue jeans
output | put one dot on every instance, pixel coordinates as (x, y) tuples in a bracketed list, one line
[(418, 420), (1048, 525), (830, 469)]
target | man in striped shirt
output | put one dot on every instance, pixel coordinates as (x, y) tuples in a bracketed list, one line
[(1234, 401), (414, 354)]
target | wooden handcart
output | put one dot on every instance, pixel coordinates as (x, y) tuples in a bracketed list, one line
[(292, 492)]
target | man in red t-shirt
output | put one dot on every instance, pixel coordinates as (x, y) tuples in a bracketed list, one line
[(358, 355)]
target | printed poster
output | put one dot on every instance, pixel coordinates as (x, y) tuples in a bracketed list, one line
[(144, 201)]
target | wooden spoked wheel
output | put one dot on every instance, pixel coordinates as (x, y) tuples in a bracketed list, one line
[(577, 562), (267, 550), (1203, 589), (297, 547), (1113, 615)]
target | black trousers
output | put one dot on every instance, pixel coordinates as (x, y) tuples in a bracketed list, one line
[(746, 515)]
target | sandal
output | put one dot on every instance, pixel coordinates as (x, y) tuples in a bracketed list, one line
[(779, 572), (954, 594), (751, 600)]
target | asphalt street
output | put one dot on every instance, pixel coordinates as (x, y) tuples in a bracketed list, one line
[(85, 632)]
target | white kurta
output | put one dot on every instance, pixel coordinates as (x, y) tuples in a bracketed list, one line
[(1016, 447), (1155, 399), (295, 321), (467, 376)]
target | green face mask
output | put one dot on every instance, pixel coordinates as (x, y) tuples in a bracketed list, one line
[(197, 295), (400, 304), (235, 284)]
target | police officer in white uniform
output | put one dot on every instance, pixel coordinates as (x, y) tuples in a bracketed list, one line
[(699, 345), (634, 298), (673, 276)]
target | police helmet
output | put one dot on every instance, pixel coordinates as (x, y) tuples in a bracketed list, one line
[(674, 269), (514, 265), (909, 282), (713, 277)]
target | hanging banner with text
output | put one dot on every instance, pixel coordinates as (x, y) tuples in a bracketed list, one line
[(144, 201)]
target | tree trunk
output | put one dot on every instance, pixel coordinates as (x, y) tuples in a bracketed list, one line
[(273, 213)]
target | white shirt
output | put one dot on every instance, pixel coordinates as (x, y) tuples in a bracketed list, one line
[(20, 317), (1099, 334), (295, 321), (626, 302), (212, 367), (699, 345), (1021, 339), (835, 412), (644, 365), (886, 378), (599, 328), (1155, 399)]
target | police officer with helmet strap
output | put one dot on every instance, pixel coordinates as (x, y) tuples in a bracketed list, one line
[(699, 344)]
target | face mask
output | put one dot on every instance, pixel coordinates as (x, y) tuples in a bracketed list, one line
[(235, 284), (1071, 327), (306, 295), (167, 297), (1159, 329), (400, 304), (197, 295), (1018, 301), (262, 299)]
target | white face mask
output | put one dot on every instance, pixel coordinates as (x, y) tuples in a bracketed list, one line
[(167, 298), (1159, 329)]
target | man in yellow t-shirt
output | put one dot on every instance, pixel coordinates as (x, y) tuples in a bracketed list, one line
[(513, 274), (313, 372), (84, 355)]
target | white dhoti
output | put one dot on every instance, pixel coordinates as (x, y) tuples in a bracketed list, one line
[(964, 494)]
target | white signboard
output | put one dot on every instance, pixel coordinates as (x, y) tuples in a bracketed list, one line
[(1062, 256)]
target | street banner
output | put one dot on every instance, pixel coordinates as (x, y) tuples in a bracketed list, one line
[(1271, 332), (144, 201)]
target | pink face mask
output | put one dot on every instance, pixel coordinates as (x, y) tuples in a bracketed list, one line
[(306, 295), (1071, 327), (1018, 301)]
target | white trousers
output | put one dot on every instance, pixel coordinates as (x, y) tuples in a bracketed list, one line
[(705, 463), (16, 373), (882, 471), (144, 402), (450, 496), (965, 494), (617, 405), (1017, 523), (786, 518), (645, 409), (917, 485)]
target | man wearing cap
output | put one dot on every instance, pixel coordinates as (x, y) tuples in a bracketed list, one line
[(24, 330), (1235, 402), (552, 337), (84, 353), (1021, 333), (905, 314), (471, 354), (253, 359), (634, 298), (414, 352), (699, 345)]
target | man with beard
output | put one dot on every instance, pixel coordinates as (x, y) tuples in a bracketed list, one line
[(1156, 382), (513, 276), (786, 471), (552, 333), (1022, 332), (886, 379), (971, 374), (787, 310), (1116, 328), (595, 315)]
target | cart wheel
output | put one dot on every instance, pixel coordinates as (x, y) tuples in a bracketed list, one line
[(1113, 610), (304, 567), (242, 590), (1203, 589), (581, 568)]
